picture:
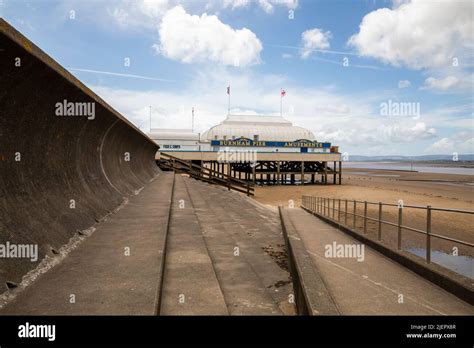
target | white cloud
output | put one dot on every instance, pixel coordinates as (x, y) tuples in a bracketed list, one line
[(406, 132), (153, 8), (235, 3), (190, 38), (137, 13), (462, 143), (313, 39), (417, 33), (441, 84), (268, 5), (404, 84)]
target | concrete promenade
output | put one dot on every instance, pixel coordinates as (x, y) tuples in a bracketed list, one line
[(115, 270), (223, 255), (373, 285)]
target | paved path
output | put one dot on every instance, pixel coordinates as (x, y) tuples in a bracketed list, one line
[(246, 245), (224, 255), (377, 284), (190, 285), (98, 273)]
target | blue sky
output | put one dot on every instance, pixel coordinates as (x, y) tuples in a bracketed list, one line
[(340, 62)]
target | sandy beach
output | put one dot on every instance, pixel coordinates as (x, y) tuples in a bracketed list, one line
[(414, 188)]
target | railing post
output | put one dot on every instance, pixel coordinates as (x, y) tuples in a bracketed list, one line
[(228, 183), (400, 219), (354, 217), (365, 217), (339, 210), (248, 189), (345, 213), (428, 234), (379, 234)]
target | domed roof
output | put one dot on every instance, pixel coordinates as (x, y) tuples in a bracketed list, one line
[(268, 128)]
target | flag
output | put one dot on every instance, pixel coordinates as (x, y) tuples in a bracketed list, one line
[(228, 89), (283, 93)]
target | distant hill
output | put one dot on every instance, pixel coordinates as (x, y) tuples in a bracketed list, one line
[(388, 158)]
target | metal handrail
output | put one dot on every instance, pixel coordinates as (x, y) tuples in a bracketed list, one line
[(200, 172), (322, 206), (413, 206)]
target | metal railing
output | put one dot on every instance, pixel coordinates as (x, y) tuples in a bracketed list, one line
[(327, 208), (206, 174)]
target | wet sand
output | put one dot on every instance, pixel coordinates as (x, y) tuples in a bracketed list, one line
[(438, 190)]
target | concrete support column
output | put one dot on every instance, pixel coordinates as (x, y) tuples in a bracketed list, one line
[(334, 171)]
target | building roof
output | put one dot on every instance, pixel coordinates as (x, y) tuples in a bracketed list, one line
[(268, 128), (173, 134)]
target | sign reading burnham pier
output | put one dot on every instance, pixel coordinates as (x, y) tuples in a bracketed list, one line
[(245, 142)]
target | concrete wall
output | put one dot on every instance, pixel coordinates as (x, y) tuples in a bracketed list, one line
[(62, 158)]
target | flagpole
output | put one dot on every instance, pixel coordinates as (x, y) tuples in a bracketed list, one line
[(228, 104), (281, 104)]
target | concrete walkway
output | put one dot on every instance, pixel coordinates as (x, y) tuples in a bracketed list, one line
[(99, 274), (224, 255), (377, 285), (245, 244), (190, 286)]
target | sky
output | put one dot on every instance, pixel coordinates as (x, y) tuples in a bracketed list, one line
[(374, 77)]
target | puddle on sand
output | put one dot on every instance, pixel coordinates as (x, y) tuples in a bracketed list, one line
[(460, 264), (374, 174)]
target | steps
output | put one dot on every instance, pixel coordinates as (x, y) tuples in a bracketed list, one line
[(251, 280), (190, 286)]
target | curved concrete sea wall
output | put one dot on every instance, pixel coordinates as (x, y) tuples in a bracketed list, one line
[(61, 169)]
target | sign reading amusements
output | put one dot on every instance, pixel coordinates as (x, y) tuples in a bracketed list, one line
[(245, 142)]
